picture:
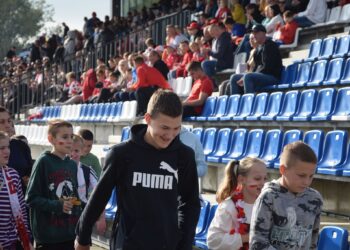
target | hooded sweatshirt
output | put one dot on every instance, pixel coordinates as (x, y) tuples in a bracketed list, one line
[(157, 194), (284, 220), (52, 180)]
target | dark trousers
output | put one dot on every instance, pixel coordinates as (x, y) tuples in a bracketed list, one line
[(189, 111), (67, 245), (142, 97)]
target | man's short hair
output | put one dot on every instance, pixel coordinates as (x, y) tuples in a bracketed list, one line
[(56, 124), (78, 139), (165, 102), (139, 60), (86, 134), (288, 14), (195, 66), (297, 151)]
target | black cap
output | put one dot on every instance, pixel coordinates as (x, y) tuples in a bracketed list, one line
[(259, 27)]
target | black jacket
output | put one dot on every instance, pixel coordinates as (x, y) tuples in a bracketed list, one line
[(162, 68), (224, 52), (157, 194), (268, 59)]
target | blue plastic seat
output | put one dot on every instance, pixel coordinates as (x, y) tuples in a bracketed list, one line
[(344, 169), (220, 108), (273, 106), (288, 77), (303, 75), (111, 207), (45, 113), (105, 107), (306, 105), (342, 47), (318, 73), (201, 240), (237, 147), (208, 110), (334, 71), (333, 237), (91, 113), (107, 112), (232, 107), (345, 78), (314, 50), (272, 146), (342, 105), (203, 218), (255, 142), (221, 146), (245, 107), (259, 107), (289, 106), (209, 140), (334, 150), (289, 136), (84, 111), (125, 133), (324, 105), (199, 133), (315, 139), (96, 115), (57, 112), (116, 112), (327, 49)]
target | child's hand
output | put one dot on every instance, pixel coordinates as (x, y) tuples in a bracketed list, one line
[(67, 207), (245, 238), (77, 246), (101, 225)]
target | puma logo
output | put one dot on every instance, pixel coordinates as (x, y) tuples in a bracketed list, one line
[(167, 167)]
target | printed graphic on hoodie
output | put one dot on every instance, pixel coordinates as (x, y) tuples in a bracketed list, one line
[(156, 181)]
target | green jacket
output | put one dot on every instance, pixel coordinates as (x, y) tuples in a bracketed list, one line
[(51, 180), (91, 160)]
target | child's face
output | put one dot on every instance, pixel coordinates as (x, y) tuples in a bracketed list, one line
[(298, 177), (4, 151), (162, 129), (255, 180), (63, 141), (6, 124), (287, 19), (77, 150), (87, 146)]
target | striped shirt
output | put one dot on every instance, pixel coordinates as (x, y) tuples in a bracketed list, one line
[(8, 232)]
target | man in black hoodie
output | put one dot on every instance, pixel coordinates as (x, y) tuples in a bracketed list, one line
[(156, 181)]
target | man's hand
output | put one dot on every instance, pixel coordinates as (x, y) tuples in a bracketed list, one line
[(240, 82), (77, 246)]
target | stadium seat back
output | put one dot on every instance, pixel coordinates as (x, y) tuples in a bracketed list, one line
[(334, 15), (273, 106), (259, 106), (342, 47), (333, 237), (315, 139), (334, 71), (126, 132), (289, 74), (324, 104), (315, 48), (345, 79), (306, 104), (232, 107), (345, 13), (209, 106), (209, 140), (203, 218), (221, 105), (199, 133), (223, 143), (245, 106), (255, 142), (318, 73), (289, 105), (238, 144), (303, 74), (328, 46), (342, 105), (272, 145), (334, 150)]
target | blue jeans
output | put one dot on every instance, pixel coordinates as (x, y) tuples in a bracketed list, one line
[(251, 82), (209, 67), (303, 21)]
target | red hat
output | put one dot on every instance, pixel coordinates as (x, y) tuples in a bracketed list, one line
[(193, 25), (213, 21)]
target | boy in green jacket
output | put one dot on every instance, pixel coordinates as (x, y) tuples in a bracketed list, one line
[(52, 192)]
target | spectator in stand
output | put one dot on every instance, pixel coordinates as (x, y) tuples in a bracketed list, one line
[(11, 53), (109, 90), (89, 84), (198, 56), (268, 66), (88, 158), (149, 80), (238, 15), (253, 16), (74, 89), (180, 69), (85, 28), (286, 33), (282, 5), (203, 19), (172, 58), (65, 29), (237, 31), (201, 89), (264, 3), (150, 46), (221, 53), (193, 29), (35, 51), (297, 6), (173, 37), (316, 12), (92, 23), (158, 63), (211, 8), (223, 11), (273, 14)]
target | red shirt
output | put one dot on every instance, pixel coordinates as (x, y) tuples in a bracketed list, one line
[(288, 32), (171, 59), (187, 58), (148, 76), (89, 84), (204, 85)]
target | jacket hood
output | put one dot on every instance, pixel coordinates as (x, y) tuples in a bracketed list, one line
[(137, 136)]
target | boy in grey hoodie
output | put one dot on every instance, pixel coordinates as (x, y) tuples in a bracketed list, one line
[(286, 214)]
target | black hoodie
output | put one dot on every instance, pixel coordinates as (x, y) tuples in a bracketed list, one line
[(157, 193)]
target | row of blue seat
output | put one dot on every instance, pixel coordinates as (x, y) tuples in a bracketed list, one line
[(313, 74), (308, 105), (224, 145)]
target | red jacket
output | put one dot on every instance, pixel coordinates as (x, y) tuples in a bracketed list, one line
[(187, 58), (288, 32), (89, 84), (148, 76)]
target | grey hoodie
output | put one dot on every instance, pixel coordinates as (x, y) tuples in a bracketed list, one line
[(283, 220)]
